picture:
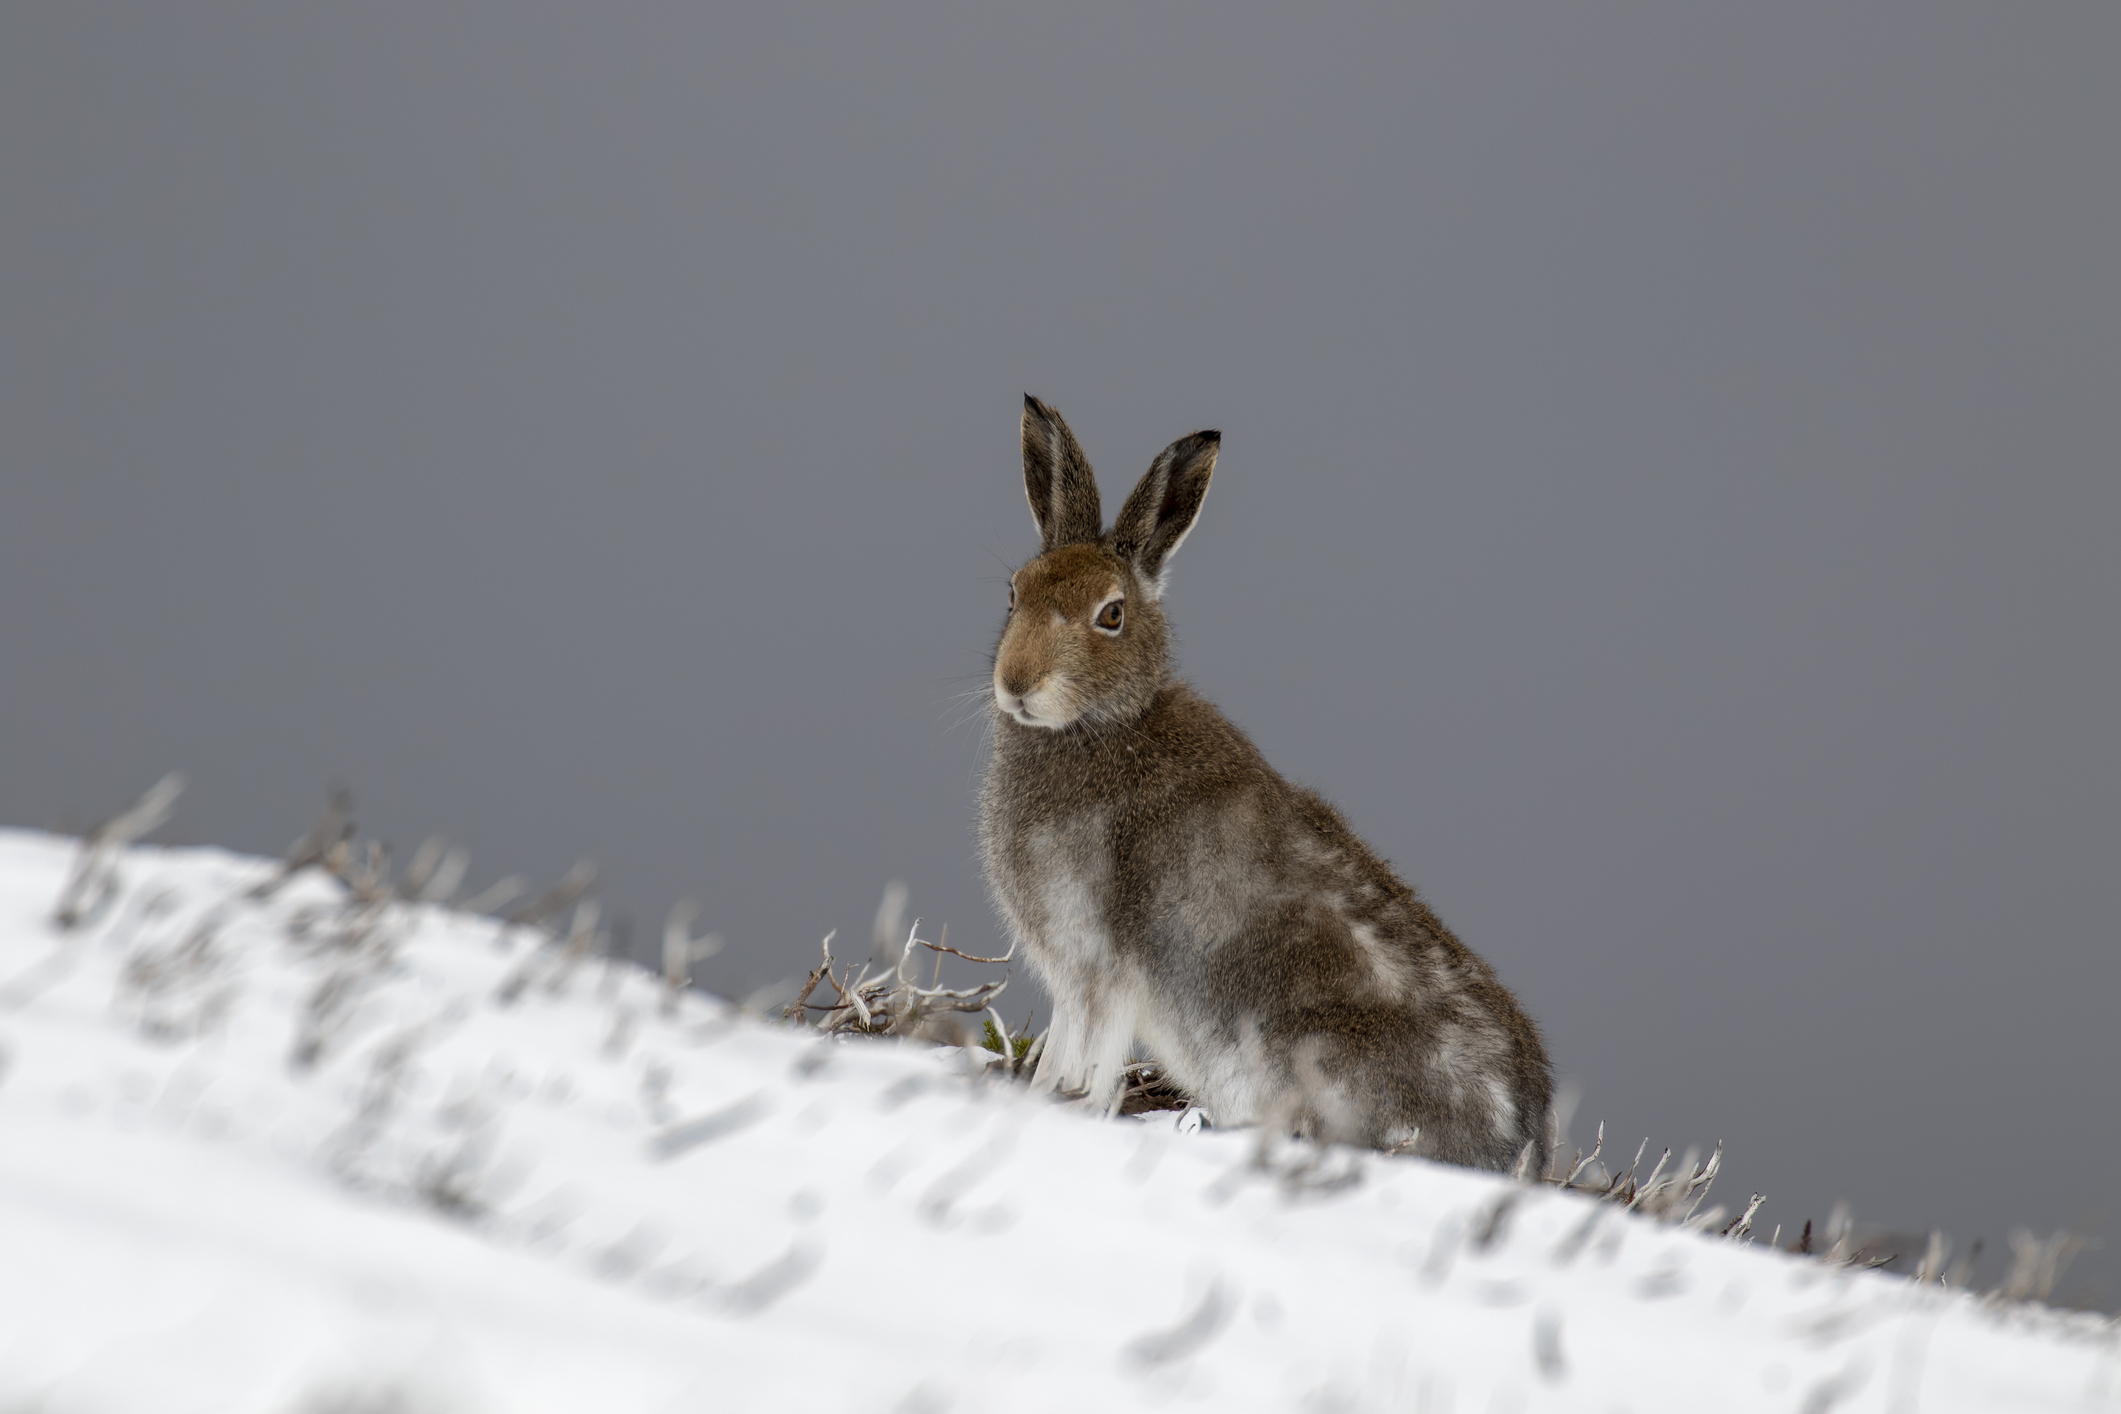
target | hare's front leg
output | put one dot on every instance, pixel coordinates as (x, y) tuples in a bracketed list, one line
[(1056, 1056), (1086, 1049)]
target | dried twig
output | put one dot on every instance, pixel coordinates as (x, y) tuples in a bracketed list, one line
[(94, 880), (361, 947), (2037, 1264), (572, 890), (681, 950), (794, 1010), (1149, 1089), (435, 873), (325, 846), (584, 938), (1584, 1161), (1738, 1227), (945, 947), (556, 900), (892, 1001), (496, 896), (183, 989)]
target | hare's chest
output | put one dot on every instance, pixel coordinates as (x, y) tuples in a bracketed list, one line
[(1063, 889)]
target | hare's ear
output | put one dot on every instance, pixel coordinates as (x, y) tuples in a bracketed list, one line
[(1165, 505), (1057, 479)]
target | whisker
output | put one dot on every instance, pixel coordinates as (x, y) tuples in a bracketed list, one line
[(965, 720)]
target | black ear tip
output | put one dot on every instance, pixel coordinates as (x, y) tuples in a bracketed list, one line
[(1211, 435), (1033, 405)]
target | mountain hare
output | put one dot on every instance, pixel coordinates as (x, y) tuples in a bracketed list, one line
[(1169, 887)]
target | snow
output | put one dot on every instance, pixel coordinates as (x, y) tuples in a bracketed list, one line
[(576, 1201)]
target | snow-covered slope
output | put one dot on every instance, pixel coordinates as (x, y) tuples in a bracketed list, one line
[(573, 1201)]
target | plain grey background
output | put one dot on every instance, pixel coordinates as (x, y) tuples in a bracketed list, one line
[(1669, 494)]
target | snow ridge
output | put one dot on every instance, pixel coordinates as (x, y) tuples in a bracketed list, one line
[(275, 1154)]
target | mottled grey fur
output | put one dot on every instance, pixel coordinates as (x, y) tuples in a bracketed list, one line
[(1170, 888)]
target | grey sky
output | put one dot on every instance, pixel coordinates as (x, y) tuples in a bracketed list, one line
[(1669, 490)]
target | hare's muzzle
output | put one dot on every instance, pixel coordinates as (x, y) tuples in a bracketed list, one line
[(1026, 702), (1013, 704)]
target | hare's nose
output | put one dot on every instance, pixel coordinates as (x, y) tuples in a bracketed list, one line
[(1012, 686)]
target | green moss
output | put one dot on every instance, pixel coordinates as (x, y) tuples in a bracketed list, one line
[(991, 1038)]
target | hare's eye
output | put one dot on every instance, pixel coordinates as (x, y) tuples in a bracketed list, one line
[(1012, 596), (1109, 617)]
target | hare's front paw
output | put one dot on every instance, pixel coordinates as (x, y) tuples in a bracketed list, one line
[(1085, 1058)]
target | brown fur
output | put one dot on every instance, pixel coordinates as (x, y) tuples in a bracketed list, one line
[(1168, 884)]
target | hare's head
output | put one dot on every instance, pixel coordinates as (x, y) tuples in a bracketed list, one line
[(1086, 639)]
